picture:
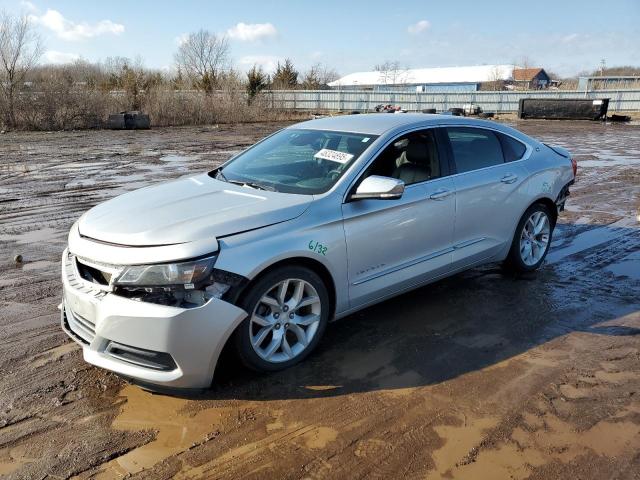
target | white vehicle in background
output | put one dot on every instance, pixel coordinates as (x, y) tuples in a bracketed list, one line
[(311, 224)]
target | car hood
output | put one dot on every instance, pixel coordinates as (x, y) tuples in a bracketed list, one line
[(187, 210)]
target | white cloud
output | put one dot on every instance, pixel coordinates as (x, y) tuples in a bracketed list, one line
[(250, 32), (53, 56), (68, 30), (417, 28), (267, 62), (570, 38), (182, 38), (28, 6)]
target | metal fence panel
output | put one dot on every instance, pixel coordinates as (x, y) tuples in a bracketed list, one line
[(498, 101)]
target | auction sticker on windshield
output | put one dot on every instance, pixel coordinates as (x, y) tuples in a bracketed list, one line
[(333, 155)]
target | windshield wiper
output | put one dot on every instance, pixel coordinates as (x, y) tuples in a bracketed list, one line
[(256, 185)]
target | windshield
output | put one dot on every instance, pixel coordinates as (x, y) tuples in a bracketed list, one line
[(296, 161)]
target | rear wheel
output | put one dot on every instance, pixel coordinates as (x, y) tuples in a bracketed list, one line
[(288, 313), (531, 240)]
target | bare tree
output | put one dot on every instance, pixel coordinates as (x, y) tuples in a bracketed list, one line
[(203, 56), (496, 81), (318, 77), (20, 49), (523, 62), (391, 73)]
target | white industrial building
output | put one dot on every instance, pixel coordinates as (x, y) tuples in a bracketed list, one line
[(449, 79)]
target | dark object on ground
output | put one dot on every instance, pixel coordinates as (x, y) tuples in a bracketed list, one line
[(354, 112), (17, 258), (429, 110), (471, 109), (386, 108), (133, 120), (458, 112), (619, 118), (563, 109), (486, 114)]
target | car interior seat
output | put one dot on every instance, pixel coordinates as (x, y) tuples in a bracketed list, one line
[(416, 165)]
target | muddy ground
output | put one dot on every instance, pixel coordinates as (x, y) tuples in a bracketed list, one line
[(479, 376)]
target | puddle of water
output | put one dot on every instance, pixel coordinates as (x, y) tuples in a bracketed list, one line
[(34, 236), (614, 162), (7, 467), (178, 158), (40, 265), (591, 238), (12, 459), (81, 182), (459, 440), (320, 437), (80, 165), (175, 431), (629, 266)]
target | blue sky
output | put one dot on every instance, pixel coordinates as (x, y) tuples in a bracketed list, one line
[(562, 36)]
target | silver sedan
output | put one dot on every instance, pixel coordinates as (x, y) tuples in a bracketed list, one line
[(313, 223)]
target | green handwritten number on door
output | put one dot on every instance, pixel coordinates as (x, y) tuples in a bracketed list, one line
[(317, 247)]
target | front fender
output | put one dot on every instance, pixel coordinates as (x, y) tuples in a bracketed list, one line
[(248, 254)]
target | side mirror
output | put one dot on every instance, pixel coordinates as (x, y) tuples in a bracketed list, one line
[(380, 188)]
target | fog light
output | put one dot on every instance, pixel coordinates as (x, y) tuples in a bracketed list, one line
[(141, 357)]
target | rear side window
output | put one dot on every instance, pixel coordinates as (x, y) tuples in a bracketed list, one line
[(511, 148), (474, 148)]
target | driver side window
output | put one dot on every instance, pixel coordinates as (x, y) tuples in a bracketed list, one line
[(412, 158)]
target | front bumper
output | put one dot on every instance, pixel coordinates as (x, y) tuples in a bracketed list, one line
[(192, 338)]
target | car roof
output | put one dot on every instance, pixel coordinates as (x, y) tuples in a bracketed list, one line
[(380, 123)]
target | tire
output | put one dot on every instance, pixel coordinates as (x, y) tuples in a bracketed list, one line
[(270, 321), (528, 248)]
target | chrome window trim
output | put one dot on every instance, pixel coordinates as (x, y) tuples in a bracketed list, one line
[(525, 156)]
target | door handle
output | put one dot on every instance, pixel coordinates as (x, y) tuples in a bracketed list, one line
[(440, 194), (509, 178)]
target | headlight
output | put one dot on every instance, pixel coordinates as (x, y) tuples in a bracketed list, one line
[(188, 275), (181, 284)]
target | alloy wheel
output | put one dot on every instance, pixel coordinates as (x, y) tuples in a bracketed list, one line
[(285, 320), (534, 239)]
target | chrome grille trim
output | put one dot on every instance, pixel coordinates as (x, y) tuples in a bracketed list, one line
[(80, 326), (79, 283)]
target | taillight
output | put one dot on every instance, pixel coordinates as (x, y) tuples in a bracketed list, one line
[(574, 165)]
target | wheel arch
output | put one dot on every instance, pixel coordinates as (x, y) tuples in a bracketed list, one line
[(314, 265), (547, 202), (550, 204)]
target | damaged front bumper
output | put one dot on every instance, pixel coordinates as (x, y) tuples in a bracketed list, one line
[(156, 344)]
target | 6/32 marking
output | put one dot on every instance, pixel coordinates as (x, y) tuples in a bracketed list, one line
[(317, 247)]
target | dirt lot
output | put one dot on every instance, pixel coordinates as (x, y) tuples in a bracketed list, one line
[(479, 376)]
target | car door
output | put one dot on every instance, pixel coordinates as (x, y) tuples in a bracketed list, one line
[(489, 200), (394, 244)]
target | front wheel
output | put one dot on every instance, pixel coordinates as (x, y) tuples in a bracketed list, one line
[(531, 240), (288, 312)]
